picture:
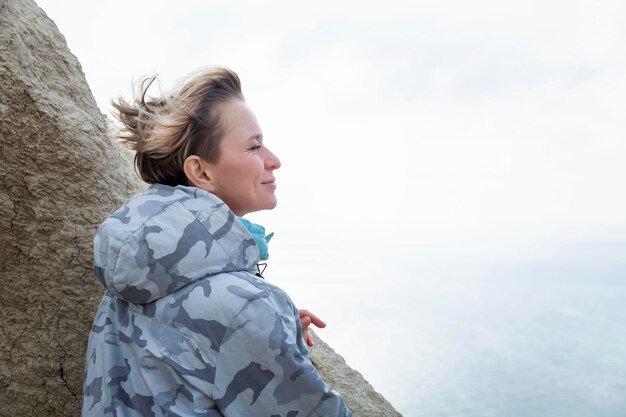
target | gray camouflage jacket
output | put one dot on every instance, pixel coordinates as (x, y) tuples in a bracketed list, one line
[(185, 328)]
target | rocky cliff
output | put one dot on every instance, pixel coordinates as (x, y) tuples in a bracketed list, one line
[(61, 174)]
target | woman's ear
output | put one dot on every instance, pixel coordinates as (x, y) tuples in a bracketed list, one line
[(198, 173)]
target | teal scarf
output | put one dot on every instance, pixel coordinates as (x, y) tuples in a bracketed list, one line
[(258, 233)]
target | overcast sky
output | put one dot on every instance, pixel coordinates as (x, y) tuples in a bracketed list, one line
[(413, 122)]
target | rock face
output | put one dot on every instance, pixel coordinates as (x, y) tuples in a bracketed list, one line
[(358, 394), (61, 174)]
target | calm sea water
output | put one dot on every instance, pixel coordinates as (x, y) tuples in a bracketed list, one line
[(473, 330)]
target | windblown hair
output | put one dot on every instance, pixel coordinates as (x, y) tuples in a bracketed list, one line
[(163, 131)]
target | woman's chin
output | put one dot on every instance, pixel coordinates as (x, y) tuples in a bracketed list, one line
[(266, 206), (271, 203)]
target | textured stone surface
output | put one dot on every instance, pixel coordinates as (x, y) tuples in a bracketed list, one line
[(60, 175), (358, 394)]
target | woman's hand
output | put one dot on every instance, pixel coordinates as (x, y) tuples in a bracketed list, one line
[(306, 319)]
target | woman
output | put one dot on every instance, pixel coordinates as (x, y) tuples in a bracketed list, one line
[(186, 327)]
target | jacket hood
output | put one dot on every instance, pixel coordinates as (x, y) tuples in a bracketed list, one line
[(167, 237)]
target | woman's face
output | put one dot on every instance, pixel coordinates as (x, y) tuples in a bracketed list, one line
[(243, 176)]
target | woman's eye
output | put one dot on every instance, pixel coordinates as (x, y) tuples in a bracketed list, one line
[(255, 147)]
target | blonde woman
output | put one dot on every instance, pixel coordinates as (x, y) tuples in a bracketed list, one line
[(187, 327)]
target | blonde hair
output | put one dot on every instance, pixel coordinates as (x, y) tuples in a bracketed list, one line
[(163, 131)]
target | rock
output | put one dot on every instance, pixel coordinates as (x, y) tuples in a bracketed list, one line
[(358, 394), (61, 174)]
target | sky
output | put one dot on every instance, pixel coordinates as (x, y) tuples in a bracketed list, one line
[(494, 130), (420, 121)]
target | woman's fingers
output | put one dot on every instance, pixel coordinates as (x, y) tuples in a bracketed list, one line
[(306, 319), (314, 319)]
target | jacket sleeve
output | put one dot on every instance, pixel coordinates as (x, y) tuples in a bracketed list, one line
[(263, 367)]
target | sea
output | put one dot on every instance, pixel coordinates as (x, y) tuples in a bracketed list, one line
[(472, 329)]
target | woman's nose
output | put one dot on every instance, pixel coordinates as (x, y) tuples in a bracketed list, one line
[(271, 161)]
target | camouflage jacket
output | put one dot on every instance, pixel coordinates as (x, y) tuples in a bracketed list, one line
[(185, 328)]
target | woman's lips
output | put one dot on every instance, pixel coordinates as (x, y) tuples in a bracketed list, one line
[(271, 183)]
